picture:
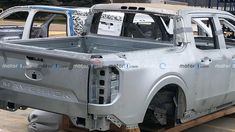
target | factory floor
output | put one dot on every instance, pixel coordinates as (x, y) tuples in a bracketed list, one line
[(17, 122)]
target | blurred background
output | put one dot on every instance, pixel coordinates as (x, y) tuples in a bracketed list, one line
[(87, 3), (9, 3)]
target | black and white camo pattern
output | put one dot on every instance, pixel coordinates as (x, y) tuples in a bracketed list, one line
[(78, 23), (79, 20), (111, 17)]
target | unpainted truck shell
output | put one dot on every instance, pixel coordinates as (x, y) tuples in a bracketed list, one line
[(138, 68)]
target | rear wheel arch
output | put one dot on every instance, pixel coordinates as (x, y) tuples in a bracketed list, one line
[(170, 85)]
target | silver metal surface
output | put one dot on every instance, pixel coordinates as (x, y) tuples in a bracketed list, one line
[(144, 67)]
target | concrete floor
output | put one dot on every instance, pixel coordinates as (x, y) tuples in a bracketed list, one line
[(14, 121)]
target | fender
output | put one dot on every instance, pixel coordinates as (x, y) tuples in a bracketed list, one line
[(165, 80)]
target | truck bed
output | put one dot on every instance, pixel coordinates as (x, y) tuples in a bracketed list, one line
[(54, 73), (95, 44), (11, 32)]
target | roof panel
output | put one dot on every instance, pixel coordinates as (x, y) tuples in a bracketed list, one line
[(151, 7), (171, 9)]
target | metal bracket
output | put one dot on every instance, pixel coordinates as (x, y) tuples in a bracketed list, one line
[(114, 120)]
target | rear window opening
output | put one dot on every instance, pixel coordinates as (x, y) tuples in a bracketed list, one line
[(133, 25)]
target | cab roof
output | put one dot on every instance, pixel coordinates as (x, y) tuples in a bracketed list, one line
[(46, 7), (58, 8), (160, 8)]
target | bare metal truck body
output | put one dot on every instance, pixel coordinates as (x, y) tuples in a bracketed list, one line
[(26, 24), (140, 76)]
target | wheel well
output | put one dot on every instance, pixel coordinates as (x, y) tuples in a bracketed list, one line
[(171, 94), (180, 98)]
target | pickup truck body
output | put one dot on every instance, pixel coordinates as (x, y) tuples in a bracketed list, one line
[(23, 29), (129, 79)]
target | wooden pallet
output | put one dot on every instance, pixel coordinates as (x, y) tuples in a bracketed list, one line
[(67, 125), (204, 119)]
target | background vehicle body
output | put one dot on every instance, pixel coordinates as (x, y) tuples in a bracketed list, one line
[(30, 26)]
